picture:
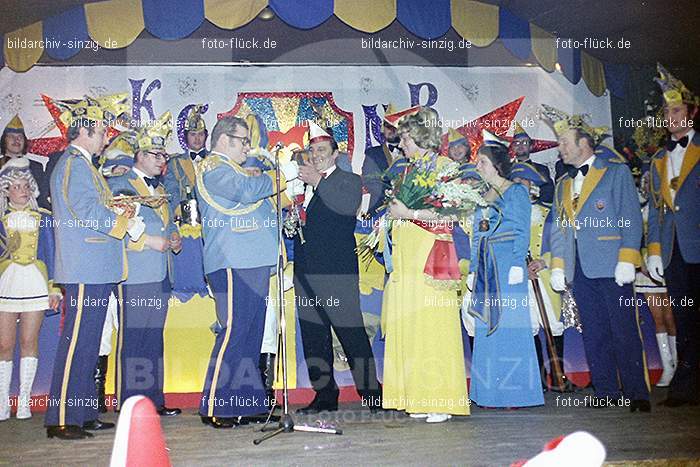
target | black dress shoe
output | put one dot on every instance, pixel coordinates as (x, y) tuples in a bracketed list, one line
[(642, 405), (67, 432), (675, 402), (169, 412), (97, 425), (220, 422)]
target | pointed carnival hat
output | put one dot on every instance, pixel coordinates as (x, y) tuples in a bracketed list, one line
[(395, 118), (454, 137), (121, 150), (492, 140), (389, 109), (15, 125), (155, 134), (674, 91), (317, 134), (561, 122), (195, 121), (527, 171), (520, 132), (114, 106), (80, 109)]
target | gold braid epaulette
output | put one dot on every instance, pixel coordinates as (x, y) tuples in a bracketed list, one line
[(209, 163)]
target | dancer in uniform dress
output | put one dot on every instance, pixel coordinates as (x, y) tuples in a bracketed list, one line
[(26, 273)]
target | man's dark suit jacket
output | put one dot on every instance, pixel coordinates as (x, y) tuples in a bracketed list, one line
[(330, 228)]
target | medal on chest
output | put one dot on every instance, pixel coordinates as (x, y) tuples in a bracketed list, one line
[(484, 225)]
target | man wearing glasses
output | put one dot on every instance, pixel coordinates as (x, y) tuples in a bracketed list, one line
[(240, 247), (145, 293), (522, 145)]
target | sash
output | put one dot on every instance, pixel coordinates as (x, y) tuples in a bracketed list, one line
[(485, 304)]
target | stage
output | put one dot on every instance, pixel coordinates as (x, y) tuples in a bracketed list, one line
[(487, 437)]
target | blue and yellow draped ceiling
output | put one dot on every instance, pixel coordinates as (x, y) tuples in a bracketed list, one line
[(115, 24)]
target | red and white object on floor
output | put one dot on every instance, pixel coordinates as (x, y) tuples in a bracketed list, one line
[(579, 449), (139, 439)]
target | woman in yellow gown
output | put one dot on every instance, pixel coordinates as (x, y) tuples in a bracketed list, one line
[(424, 369)]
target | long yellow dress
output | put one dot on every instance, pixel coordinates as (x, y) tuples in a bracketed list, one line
[(424, 369)]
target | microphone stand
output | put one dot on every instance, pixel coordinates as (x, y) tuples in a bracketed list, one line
[(286, 422)]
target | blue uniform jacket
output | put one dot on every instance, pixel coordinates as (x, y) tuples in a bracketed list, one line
[(680, 216), (607, 223), (238, 218), (146, 265), (89, 246)]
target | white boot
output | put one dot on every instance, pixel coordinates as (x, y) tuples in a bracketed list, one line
[(674, 353), (5, 378), (27, 370), (437, 417), (666, 360), (418, 415)]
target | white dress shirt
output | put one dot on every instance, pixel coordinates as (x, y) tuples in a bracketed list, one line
[(674, 162), (578, 180)]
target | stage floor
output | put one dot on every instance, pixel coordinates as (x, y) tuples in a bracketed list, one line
[(487, 437)]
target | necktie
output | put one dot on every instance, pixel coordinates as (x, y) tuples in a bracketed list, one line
[(199, 154), (671, 144), (573, 171), (151, 181)]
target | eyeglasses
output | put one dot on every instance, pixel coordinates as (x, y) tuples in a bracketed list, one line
[(245, 141), (159, 155)]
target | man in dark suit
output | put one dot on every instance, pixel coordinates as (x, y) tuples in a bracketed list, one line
[(326, 278), (522, 145), (13, 144)]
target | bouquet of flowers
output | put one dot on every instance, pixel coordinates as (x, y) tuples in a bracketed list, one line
[(421, 185)]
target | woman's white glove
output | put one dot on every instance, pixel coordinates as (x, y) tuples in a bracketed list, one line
[(515, 275)]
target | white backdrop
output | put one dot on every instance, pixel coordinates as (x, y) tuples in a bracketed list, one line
[(462, 93)]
